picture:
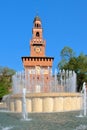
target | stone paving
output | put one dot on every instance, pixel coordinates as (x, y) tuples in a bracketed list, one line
[(43, 121)]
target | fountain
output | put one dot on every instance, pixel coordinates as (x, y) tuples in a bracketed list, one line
[(24, 111), (84, 99), (42, 96), (83, 102), (59, 82)]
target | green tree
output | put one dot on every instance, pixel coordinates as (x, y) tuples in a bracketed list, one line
[(66, 54), (79, 65), (82, 70), (5, 80)]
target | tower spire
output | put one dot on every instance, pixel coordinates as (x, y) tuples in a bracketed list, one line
[(37, 42)]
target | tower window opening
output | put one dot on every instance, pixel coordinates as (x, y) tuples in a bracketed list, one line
[(38, 25), (35, 25), (37, 34)]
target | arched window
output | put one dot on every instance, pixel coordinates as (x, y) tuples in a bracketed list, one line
[(38, 25), (35, 25), (37, 34)]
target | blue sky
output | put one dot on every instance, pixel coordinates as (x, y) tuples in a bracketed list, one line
[(64, 23)]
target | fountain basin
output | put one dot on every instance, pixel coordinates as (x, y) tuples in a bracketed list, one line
[(45, 102)]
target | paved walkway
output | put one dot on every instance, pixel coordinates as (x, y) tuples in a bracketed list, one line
[(43, 121)]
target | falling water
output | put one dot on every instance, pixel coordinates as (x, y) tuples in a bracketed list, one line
[(24, 111), (84, 98), (83, 103), (63, 81)]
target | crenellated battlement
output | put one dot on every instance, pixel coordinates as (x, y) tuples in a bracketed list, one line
[(34, 61)]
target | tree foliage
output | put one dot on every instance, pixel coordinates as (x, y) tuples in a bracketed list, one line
[(5, 80), (78, 64), (66, 54)]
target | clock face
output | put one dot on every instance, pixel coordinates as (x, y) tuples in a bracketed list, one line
[(37, 49)]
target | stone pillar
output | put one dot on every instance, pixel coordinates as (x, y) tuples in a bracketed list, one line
[(29, 105), (58, 104), (37, 105), (12, 106), (73, 103), (67, 104), (48, 104), (79, 102), (18, 104)]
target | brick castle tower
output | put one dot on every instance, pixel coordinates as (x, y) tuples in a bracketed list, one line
[(38, 65)]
